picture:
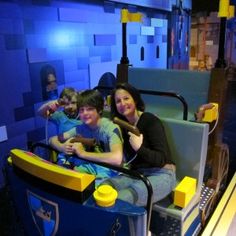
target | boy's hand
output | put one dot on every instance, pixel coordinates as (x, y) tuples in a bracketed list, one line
[(52, 107), (67, 147), (78, 149)]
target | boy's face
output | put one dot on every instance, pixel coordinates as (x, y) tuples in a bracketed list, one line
[(89, 116), (70, 106)]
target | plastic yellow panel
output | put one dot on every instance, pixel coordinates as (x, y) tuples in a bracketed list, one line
[(50, 172), (211, 114), (184, 191)]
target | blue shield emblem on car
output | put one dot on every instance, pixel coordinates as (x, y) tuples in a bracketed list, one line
[(45, 214)]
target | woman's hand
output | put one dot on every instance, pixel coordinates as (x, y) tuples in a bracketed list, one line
[(78, 149), (135, 141)]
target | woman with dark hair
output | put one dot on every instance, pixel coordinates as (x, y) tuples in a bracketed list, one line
[(148, 153)]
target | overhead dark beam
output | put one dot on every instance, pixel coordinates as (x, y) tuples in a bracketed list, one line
[(202, 5)]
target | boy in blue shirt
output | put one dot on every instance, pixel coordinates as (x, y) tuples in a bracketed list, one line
[(62, 112), (108, 148)]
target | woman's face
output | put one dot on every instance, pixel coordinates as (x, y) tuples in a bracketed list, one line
[(51, 82), (125, 104)]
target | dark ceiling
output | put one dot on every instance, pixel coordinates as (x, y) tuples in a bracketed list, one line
[(207, 5)]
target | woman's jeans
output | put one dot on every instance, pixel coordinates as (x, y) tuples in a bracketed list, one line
[(135, 191)]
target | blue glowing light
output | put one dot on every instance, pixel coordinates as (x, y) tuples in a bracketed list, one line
[(66, 38)]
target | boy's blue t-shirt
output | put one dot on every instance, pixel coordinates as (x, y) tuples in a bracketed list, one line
[(105, 135), (63, 122)]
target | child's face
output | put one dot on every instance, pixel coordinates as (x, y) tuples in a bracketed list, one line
[(89, 116), (70, 106)]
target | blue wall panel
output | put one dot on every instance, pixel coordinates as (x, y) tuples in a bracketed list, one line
[(150, 39), (28, 99), (160, 4), (36, 134), (82, 51), (2, 47), (36, 41), (28, 27), (11, 26), (10, 11), (59, 28), (17, 128), (14, 80), (104, 40), (70, 64), (14, 41), (83, 16), (73, 76), (109, 7), (23, 113), (79, 85), (102, 51), (94, 59), (42, 13), (75, 15), (82, 62), (132, 39), (17, 141), (156, 22), (37, 55)]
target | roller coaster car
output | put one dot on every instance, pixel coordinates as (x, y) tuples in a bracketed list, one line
[(53, 200)]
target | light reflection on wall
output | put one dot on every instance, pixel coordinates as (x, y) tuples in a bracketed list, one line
[(65, 38)]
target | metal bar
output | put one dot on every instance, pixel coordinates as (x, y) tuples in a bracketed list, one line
[(159, 93)]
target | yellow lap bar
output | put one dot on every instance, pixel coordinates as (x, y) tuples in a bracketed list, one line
[(50, 172)]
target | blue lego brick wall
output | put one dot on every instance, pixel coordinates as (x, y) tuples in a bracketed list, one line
[(79, 41)]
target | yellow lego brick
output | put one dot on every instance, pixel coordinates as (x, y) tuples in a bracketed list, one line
[(211, 114), (184, 191)]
